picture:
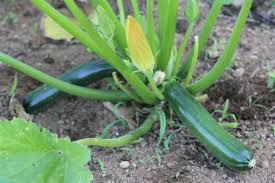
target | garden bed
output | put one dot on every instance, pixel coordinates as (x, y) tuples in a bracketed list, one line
[(186, 160)]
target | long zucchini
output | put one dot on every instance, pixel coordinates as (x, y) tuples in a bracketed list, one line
[(204, 127), (83, 75)]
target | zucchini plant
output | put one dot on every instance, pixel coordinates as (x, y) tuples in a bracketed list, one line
[(148, 61)]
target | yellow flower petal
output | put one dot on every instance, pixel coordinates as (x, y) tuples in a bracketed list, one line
[(138, 47)]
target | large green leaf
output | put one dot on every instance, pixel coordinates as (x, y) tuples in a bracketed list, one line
[(29, 154)]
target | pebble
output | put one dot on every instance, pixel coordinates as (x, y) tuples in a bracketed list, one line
[(124, 164), (171, 164), (239, 72), (265, 164)]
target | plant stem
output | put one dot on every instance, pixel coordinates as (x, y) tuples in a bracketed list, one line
[(61, 85), (150, 26), (121, 12), (124, 89), (162, 17), (153, 85), (167, 41), (126, 139), (194, 61), (135, 9), (182, 48), (203, 36), (226, 57), (102, 49), (228, 125)]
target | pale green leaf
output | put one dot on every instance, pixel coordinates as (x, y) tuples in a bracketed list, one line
[(29, 154), (163, 124), (192, 11), (106, 25), (13, 86)]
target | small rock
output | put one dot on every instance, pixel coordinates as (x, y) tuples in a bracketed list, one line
[(239, 72), (134, 165), (171, 164), (124, 164), (265, 164)]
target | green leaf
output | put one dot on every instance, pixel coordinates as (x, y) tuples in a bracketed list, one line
[(163, 124), (13, 86), (192, 11), (29, 154), (106, 25), (271, 79), (5, 180)]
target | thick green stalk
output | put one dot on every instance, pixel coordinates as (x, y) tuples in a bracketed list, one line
[(61, 85), (228, 125), (126, 139), (182, 48), (162, 17), (167, 41), (102, 49), (150, 26), (124, 89), (203, 36), (135, 9), (121, 12), (226, 57), (194, 62)]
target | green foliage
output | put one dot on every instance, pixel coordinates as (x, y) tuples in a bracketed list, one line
[(101, 164), (11, 17), (29, 154), (225, 115), (13, 86), (192, 11), (271, 79), (163, 124)]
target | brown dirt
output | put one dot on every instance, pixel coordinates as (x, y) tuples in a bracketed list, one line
[(186, 160)]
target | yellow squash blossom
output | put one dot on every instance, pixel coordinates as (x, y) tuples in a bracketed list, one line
[(138, 47)]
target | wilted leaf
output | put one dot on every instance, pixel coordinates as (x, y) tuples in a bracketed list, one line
[(54, 31)]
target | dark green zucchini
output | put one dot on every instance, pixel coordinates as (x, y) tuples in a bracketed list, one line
[(204, 127), (82, 76)]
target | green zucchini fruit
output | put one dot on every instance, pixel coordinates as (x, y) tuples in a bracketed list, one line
[(204, 127), (83, 75)]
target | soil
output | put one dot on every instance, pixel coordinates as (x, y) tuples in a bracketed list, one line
[(185, 160)]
